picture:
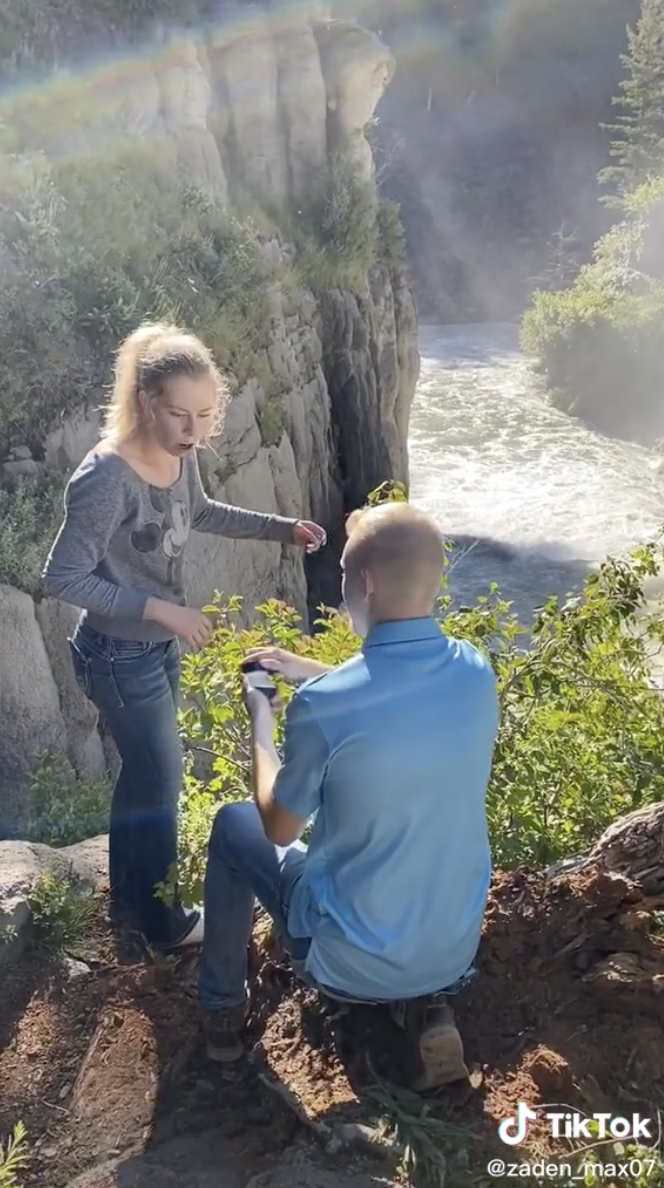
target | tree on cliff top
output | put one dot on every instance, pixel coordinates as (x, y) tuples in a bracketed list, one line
[(638, 135)]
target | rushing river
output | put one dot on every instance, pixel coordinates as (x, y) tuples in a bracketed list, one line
[(533, 496)]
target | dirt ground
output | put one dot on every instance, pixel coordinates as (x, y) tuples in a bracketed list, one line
[(105, 1063)]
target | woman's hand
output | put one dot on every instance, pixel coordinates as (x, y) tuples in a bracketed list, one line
[(189, 624), (294, 668), (309, 536)]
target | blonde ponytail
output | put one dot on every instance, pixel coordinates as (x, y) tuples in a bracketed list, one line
[(145, 360)]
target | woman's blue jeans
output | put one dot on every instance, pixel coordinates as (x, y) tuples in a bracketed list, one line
[(135, 686)]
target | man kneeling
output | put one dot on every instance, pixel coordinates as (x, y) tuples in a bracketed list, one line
[(392, 753)]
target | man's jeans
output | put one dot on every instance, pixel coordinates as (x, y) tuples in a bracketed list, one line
[(135, 688), (243, 866)]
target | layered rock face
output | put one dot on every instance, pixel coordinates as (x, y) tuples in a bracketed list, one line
[(253, 105)]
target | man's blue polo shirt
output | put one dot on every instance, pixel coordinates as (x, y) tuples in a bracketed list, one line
[(393, 751)]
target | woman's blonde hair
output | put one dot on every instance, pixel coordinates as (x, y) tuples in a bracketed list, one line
[(145, 361)]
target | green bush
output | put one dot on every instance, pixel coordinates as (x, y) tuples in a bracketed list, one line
[(64, 914), (92, 247), (336, 233), (30, 515), (34, 33), (600, 341), (391, 235), (62, 809), (13, 1157), (581, 739)]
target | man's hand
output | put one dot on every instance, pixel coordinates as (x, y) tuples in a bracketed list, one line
[(288, 664), (261, 709), (281, 827)]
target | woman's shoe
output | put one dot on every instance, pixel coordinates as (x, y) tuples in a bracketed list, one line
[(195, 935)]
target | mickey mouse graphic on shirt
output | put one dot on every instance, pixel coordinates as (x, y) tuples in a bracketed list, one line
[(170, 535)]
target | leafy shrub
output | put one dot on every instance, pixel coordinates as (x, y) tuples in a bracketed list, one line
[(336, 233), (13, 1157), (63, 810), (391, 235), (38, 32), (30, 514), (599, 341), (63, 914), (214, 722), (581, 739)]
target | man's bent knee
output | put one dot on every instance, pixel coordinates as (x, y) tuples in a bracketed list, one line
[(233, 824)]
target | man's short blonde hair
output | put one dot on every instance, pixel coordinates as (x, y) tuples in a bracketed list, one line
[(399, 545)]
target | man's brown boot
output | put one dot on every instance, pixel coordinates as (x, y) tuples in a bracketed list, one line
[(223, 1033), (440, 1047)]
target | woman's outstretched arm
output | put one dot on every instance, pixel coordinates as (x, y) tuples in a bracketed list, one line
[(222, 519)]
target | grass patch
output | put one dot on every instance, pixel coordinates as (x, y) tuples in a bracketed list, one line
[(391, 249), (422, 1138), (62, 811), (271, 421), (36, 34), (63, 915), (13, 1157), (335, 235), (439, 1152), (30, 515)]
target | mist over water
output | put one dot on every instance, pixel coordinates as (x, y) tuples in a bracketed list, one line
[(534, 497)]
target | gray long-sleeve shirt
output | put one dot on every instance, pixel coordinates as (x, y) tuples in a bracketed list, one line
[(123, 541)]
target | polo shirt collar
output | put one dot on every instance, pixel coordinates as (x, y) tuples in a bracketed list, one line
[(402, 631)]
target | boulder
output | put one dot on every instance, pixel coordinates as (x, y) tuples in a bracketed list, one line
[(86, 862), (22, 864), (74, 437), (84, 748), (29, 701)]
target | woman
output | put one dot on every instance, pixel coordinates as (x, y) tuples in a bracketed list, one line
[(120, 555)]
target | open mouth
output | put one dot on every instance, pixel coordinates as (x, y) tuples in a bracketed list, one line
[(185, 446)]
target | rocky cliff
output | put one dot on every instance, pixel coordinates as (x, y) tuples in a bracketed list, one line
[(251, 111)]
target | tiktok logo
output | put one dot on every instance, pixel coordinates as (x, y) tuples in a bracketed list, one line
[(514, 1130)]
